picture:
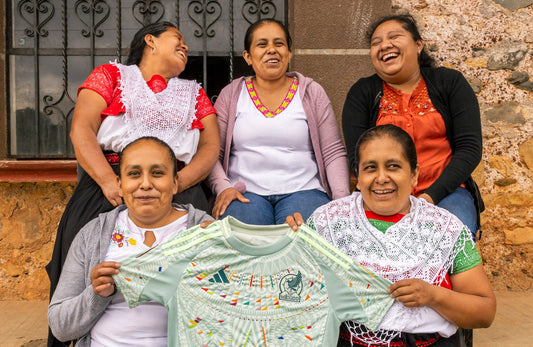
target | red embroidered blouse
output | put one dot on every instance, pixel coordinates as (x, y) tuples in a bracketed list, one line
[(105, 80)]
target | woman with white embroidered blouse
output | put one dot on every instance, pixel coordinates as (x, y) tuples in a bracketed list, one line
[(438, 279), (281, 150), (120, 103)]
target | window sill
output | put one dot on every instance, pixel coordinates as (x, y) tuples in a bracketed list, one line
[(38, 171)]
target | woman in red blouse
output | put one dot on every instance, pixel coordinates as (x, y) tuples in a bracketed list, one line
[(120, 103)]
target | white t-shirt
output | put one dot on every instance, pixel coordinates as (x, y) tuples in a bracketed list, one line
[(272, 155), (145, 325)]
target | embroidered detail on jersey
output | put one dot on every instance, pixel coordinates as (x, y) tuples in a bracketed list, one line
[(290, 287), (259, 104), (302, 329)]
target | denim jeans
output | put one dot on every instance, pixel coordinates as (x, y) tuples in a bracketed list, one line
[(461, 204), (273, 209)]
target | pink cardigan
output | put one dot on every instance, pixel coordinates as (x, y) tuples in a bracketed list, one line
[(325, 136)]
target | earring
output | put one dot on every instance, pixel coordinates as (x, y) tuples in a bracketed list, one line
[(153, 50)]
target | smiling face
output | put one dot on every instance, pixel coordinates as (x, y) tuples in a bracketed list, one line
[(385, 178), (394, 52), (147, 184), (269, 53), (171, 50)]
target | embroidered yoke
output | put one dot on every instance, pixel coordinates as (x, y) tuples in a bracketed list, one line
[(166, 115), (237, 284), (423, 245), (416, 114)]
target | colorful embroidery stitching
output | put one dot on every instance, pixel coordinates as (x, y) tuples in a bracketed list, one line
[(262, 108), (120, 238)]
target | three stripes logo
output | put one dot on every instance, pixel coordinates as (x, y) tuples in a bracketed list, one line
[(219, 277)]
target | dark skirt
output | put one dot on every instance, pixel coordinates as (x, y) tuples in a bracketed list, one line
[(86, 203)]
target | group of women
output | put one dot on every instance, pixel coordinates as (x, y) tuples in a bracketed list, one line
[(270, 148)]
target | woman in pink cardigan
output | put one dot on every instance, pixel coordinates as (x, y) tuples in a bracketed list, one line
[(281, 150)]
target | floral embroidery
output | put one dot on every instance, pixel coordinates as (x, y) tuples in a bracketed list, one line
[(262, 108), (121, 237), (419, 102)]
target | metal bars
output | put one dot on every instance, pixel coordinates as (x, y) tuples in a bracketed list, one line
[(54, 44)]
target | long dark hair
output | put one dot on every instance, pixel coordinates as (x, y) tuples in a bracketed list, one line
[(252, 28), (396, 133), (137, 44), (408, 23)]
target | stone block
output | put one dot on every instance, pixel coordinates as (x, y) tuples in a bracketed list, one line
[(508, 200), (507, 112), (476, 62), (506, 55), (502, 164), (504, 182), (13, 270), (519, 236), (526, 153), (479, 174), (513, 5)]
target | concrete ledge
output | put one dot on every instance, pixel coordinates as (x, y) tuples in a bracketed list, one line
[(38, 171)]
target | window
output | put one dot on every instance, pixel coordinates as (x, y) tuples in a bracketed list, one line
[(53, 45)]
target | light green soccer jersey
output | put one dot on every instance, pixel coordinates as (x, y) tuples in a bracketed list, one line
[(233, 284)]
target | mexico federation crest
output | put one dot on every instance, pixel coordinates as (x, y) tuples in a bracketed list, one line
[(290, 287)]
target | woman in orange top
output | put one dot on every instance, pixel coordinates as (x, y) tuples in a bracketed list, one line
[(436, 106)]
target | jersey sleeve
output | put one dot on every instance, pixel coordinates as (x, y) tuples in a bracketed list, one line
[(154, 274), (355, 292), (136, 272)]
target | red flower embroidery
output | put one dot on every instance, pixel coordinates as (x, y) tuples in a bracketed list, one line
[(117, 237)]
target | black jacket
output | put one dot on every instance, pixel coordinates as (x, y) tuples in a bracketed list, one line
[(453, 98)]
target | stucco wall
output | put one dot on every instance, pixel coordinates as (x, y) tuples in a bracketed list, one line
[(491, 43)]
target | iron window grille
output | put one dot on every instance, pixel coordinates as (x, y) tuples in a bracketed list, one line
[(53, 45)]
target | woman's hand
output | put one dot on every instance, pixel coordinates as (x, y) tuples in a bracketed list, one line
[(101, 280), (111, 192), (206, 223), (470, 305), (224, 199), (294, 221), (412, 292)]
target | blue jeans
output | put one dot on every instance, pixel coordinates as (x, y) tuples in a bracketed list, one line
[(274, 209), (461, 204)]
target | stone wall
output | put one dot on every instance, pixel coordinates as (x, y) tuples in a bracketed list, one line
[(29, 215), (491, 43)]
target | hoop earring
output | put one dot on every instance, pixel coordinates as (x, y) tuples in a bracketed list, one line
[(153, 50)]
